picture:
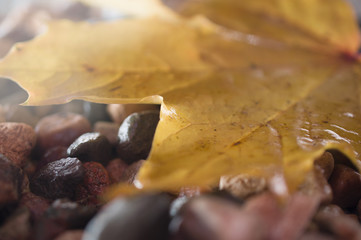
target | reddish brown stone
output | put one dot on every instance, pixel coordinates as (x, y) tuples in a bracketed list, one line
[(36, 204), (16, 142), (116, 169)]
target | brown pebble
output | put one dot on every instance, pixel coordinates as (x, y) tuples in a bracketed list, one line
[(118, 112), (346, 185), (11, 179), (325, 163), (109, 130), (16, 142), (17, 226), (116, 169), (36, 204), (131, 172), (60, 129), (71, 235), (21, 114)]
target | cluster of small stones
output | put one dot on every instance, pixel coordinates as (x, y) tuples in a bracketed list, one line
[(57, 161)]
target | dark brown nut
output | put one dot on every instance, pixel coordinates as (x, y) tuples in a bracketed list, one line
[(17, 226), (58, 179), (346, 185), (91, 147), (20, 114), (96, 180), (95, 112), (325, 164), (118, 112), (53, 154), (109, 130), (11, 178), (131, 172), (136, 135), (121, 219), (16, 142), (60, 129), (37, 205), (71, 235), (61, 216), (242, 185), (116, 169)]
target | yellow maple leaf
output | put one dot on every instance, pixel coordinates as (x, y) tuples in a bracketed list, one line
[(252, 95)]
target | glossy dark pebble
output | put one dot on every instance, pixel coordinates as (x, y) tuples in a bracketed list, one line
[(91, 147), (51, 155), (136, 218), (346, 185), (136, 135), (58, 179)]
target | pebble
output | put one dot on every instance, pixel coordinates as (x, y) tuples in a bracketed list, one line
[(136, 135), (325, 164), (96, 180), (60, 129), (130, 173), (109, 130), (61, 216), (11, 179), (58, 179), (16, 142), (346, 184), (242, 185), (116, 168), (91, 147), (17, 226), (37, 205), (120, 219), (71, 235), (119, 112)]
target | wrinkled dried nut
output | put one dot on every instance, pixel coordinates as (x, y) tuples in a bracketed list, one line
[(17, 226), (242, 185), (60, 129), (58, 179), (326, 164), (11, 178), (118, 112), (16, 142), (51, 155), (120, 219), (136, 135), (315, 184), (37, 205), (116, 169), (346, 185), (71, 235), (96, 179), (91, 147), (130, 174), (109, 130)]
